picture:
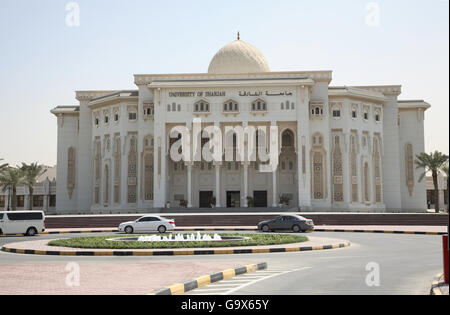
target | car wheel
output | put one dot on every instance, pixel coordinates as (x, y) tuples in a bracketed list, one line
[(296, 229), (31, 231), (129, 230), (162, 229), (265, 228)]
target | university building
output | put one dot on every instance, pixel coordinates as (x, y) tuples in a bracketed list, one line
[(340, 148)]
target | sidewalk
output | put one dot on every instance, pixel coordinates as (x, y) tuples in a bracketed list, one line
[(95, 278)]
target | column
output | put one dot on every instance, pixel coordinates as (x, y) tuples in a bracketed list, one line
[(45, 206), (217, 165), (85, 165), (245, 184), (275, 191), (7, 201), (303, 148), (189, 184), (160, 163), (26, 199), (274, 173), (391, 161)]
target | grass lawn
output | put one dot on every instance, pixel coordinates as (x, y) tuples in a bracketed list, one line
[(101, 242)]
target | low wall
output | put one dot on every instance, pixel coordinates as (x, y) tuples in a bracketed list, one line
[(184, 220)]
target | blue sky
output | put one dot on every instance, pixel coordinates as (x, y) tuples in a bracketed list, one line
[(43, 61)]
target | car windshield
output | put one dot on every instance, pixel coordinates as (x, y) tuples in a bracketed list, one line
[(1, 216), (300, 217)]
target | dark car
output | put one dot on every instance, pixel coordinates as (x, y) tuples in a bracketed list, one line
[(293, 223)]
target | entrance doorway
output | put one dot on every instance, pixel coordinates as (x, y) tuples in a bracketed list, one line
[(233, 199), (205, 199), (260, 198)]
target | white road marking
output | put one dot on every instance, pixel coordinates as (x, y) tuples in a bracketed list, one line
[(262, 279), (201, 290), (229, 286)]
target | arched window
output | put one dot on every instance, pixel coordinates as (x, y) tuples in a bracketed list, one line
[(202, 106), (287, 139), (231, 106), (336, 109), (259, 105)]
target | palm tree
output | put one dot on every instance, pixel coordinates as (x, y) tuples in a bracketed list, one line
[(11, 178), (30, 176), (433, 163), (445, 170), (3, 167)]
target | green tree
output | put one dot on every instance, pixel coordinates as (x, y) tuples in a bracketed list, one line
[(445, 170), (2, 166), (11, 178), (432, 163), (31, 174)]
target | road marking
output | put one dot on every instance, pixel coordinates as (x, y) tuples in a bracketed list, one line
[(262, 279), (229, 286), (208, 290)]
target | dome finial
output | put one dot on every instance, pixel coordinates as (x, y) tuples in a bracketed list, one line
[(239, 36)]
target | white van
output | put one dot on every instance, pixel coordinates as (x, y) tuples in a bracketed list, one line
[(22, 222)]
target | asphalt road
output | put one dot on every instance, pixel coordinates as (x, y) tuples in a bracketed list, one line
[(407, 265)]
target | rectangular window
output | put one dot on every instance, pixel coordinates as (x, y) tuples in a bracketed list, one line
[(2, 201), (132, 116), (354, 115), (38, 201), (52, 202), (20, 201), (116, 117)]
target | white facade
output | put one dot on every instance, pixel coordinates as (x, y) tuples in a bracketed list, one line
[(340, 148), (44, 194)]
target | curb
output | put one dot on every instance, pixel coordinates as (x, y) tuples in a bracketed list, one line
[(436, 285), (175, 253), (380, 232), (202, 281)]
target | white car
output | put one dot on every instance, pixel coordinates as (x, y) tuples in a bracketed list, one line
[(148, 224), (22, 222)]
